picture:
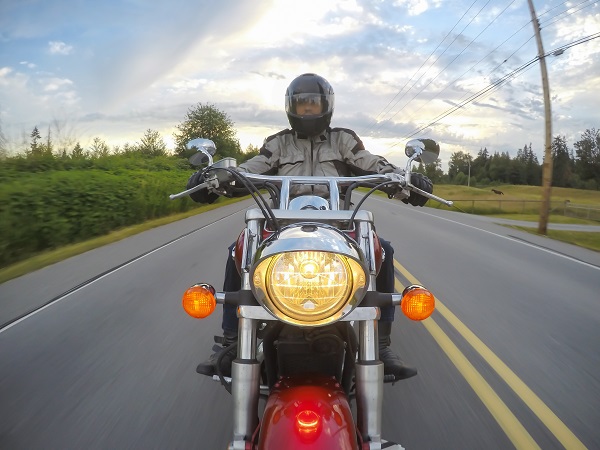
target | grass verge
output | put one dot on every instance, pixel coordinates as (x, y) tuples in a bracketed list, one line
[(584, 239), (554, 218)]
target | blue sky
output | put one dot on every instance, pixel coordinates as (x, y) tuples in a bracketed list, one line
[(115, 68)]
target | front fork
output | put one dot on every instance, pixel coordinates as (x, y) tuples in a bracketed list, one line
[(246, 385), (245, 388), (245, 370), (369, 369), (369, 385)]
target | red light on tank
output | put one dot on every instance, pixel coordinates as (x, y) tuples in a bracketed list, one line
[(307, 421)]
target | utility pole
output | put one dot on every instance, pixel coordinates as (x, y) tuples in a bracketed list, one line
[(469, 161), (547, 164)]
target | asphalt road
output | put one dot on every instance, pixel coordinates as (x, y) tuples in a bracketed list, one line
[(509, 360)]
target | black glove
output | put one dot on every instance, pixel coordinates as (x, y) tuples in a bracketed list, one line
[(203, 195), (422, 182)]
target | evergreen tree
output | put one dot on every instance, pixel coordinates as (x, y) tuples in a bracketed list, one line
[(77, 152), (34, 146), (480, 167), (500, 167), (99, 148), (588, 157), (152, 144), (562, 168)]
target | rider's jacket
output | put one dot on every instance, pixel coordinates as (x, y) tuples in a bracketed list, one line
[(335, 152)]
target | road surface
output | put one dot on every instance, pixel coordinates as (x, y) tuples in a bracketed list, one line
[(510, 359)]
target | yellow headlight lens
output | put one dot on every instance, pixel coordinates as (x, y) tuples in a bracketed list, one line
[(309, 285)]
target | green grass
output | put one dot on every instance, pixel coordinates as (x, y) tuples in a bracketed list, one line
[(516, 199), (513, 206), (584, 239), (554, 218), (516, 192)]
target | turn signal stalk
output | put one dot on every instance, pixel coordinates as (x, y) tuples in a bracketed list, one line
[(199, 301), (417, 302)]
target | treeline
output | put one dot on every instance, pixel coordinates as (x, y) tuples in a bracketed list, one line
[(576, 167), (56, 193)]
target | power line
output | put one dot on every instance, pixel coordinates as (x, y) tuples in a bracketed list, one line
[(457, 79), (546, 24), (377, 126), (380, 124), (383, 111), (497, 84)]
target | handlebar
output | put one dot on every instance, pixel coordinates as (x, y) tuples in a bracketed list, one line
[(334, 183)]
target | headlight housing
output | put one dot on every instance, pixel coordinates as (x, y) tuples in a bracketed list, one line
[(309, 275)]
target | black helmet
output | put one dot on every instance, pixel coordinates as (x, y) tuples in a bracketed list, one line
[(312, 89)]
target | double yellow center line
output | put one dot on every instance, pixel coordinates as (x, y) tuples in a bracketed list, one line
[(515, 431)]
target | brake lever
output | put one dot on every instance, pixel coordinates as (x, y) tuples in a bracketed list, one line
[(428, 195)]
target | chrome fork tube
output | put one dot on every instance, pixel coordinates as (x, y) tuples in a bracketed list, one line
[(369, 384), (245, 370), (369, 370), (245, 376)]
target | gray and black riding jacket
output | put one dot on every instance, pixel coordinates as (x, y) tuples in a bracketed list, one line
[(335, 152)]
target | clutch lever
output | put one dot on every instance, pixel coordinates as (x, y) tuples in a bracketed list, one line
[(213, 182)]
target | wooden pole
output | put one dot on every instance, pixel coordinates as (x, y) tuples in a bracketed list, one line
[(547, 164)]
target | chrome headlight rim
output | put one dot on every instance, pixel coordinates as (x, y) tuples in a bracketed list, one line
[(325, 240)]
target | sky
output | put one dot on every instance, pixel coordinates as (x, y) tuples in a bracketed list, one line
[(461, 72)]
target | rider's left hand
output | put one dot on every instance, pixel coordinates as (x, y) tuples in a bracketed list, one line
[(422, 182), (203, 195)]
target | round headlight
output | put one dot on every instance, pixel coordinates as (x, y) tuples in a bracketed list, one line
[(306, 287)]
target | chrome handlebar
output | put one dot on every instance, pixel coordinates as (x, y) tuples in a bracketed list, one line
[(285, 183)]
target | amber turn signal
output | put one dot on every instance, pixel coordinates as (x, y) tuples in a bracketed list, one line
[(199, 301), (417, 302)]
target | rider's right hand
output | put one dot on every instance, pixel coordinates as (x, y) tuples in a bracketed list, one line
[(203, 195)]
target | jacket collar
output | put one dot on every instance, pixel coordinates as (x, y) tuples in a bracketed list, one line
[(320, 138)]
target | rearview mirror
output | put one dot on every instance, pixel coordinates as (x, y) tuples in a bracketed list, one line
[(205, 150), (426, 151)]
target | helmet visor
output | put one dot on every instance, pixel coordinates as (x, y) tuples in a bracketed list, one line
[(309, 104)]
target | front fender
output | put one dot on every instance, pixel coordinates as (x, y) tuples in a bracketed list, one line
[(307, 412)]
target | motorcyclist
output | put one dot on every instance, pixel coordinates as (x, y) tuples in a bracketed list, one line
[(312, 147)]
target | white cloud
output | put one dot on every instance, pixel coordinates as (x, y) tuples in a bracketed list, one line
[(27, 64), (137, 70), (59, 48), (55, 84), (416, 7), (4, 72)]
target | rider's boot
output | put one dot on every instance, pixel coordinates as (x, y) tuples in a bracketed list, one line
[(209, 367), (392, 364)]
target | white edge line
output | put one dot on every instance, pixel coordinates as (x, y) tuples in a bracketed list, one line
[(32, 313), (552, 252)]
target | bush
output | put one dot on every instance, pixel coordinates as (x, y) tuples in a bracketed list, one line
[(41, 211)]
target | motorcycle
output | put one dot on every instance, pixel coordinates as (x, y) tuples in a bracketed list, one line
[(308, 266)]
